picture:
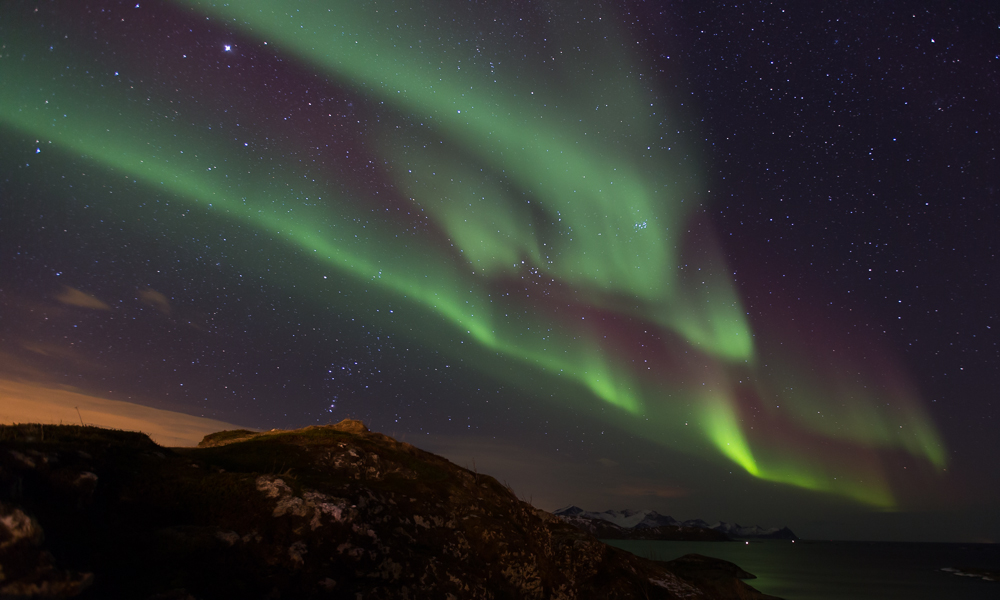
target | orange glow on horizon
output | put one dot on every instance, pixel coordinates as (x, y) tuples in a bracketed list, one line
[(28, 402)]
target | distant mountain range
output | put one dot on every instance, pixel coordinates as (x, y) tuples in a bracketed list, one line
[(649, 524)]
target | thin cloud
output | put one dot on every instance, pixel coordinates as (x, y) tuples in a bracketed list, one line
[(155, 299), (75, 297)]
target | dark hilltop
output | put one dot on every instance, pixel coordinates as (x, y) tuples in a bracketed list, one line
[(322, 512)]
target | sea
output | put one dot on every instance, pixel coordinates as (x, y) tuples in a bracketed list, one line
[(826, 570)]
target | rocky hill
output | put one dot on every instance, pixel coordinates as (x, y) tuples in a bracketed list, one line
[(321, 512)]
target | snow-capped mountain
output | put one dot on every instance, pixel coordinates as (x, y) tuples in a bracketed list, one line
[(647, 519), (734, 530), (628, 519)]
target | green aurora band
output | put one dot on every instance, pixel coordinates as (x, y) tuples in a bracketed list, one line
[(557, 173)]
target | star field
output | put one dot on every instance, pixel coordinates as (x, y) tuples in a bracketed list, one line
[(731, 260)]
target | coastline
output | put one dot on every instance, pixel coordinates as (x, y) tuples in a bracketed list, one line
[(832, 570)]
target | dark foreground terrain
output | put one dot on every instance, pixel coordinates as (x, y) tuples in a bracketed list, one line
[(321, 512)]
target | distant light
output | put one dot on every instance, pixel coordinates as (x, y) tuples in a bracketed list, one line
[(228, 47)]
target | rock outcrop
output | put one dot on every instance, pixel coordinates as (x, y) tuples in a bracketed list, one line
[(321, 512)]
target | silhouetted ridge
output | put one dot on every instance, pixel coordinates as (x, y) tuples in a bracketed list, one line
[(333, 511)]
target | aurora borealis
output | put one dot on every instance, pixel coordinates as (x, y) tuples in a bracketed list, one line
[(400, 212)]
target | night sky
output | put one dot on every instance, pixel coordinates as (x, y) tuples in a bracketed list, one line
[(725, 261)]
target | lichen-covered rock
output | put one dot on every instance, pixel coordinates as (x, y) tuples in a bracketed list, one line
[(321, 512)]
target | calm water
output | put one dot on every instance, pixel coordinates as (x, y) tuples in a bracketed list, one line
[(809, 570)]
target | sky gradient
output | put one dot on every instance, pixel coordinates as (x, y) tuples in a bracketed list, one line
[(629, 256)]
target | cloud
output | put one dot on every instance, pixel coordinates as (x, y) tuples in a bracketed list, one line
[(53, 355), (155, 299), (75, 297)]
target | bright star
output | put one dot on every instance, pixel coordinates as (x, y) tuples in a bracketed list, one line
[(228, 47)]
